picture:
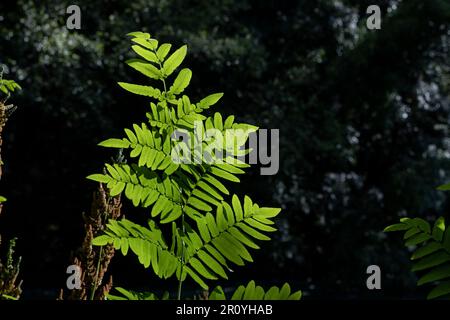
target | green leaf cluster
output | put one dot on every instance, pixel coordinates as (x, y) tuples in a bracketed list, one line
[(255, 292), (210, 231), (431, 252), (7, 86)]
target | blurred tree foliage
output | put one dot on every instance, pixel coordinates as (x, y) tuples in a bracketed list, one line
[(364, 119)]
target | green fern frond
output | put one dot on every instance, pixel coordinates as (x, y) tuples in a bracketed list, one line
[(152, 149), (134, 295), (7, 86), (203, 185), (431, 255), (158, 178), (144, 188), (221, 239), (254, 292), (225, 237)]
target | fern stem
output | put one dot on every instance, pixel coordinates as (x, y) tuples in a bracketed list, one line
[(160, 68), (95, 285), (180, 282)]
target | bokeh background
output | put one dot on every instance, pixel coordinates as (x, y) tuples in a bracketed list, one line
[(363, 118)]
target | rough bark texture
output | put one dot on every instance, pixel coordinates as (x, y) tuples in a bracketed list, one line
[(94, 261)]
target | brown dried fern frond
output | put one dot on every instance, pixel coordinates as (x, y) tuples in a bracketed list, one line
[(94, 261)]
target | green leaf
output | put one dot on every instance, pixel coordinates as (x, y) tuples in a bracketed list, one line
[(196, 278), (143, 42), (438, 273), (141, 90), (416, 239), (254, 292), (212, 264), (272, 294), (210, 100), (144, 53), (439, 229), (249, 291), (396, 227), (145, 68), (139, 34), (426, 250), (217, 294), (200, 268), (224, 174), (101, 240), (174, 60), (411, 232), (117, 189), (99, 178), (238, 294), (162, 51), (441, 290), (444, 187), (295, 296), (115, 143), (431, 261), (181, 81)]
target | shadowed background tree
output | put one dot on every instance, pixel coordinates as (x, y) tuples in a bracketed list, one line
[(363, 118)]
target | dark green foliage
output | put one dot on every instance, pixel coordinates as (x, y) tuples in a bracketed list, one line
[(431, 252)]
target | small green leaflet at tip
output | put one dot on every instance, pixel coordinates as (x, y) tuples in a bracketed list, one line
[(139, 34), (174, 60), (115, 143)]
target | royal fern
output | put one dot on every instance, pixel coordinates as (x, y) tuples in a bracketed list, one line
[(431, 253), (249, 292), (208, 233)]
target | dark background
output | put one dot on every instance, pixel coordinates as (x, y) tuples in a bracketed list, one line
[(364, 119)]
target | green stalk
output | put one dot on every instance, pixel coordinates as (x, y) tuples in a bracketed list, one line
[(95, 286), (180, 282)]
